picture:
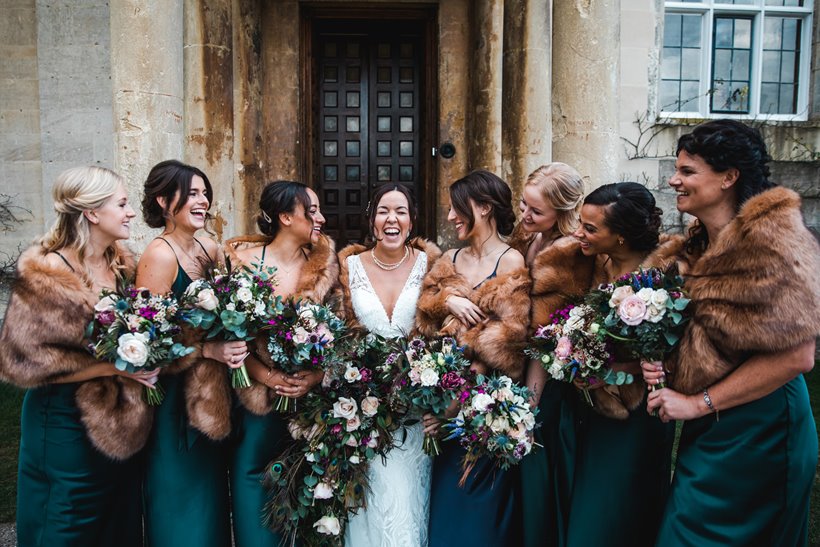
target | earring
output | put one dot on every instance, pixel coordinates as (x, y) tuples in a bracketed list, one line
[(620, 241)]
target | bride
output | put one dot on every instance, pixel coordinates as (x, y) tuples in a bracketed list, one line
[(380, 287)]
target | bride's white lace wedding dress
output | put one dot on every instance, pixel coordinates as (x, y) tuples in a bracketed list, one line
[(398, 505)]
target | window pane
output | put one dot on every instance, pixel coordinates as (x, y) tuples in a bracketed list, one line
[(681, 62), (690, 64), (772, 32), (787, 99), (690, 36), (768, 98), (789, 3), (788, 67), (689, 95), (672, 30), (731, 65), (670, 63), (740, 65), (669, 95), (743, 33), (781, 64), (771, 66), (724, 32)]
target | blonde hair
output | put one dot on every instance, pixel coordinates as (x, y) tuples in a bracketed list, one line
[(563, 188), (77, 190)]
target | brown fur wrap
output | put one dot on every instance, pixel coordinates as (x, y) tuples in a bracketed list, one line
[(618, 401), (346, 303), (498, 341), (317, 278), (43, 339), (756, 289)]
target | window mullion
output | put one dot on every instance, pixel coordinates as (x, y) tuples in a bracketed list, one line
[(706, 75)]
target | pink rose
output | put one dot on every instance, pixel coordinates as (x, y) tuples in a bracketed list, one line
[(632, 310), (563, 349)]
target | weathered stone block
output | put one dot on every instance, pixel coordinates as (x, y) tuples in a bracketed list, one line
[(18, 26)]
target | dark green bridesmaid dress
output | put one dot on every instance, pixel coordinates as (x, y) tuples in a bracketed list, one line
[(69, 493), (185, 488), (614, 475), (745, 479)]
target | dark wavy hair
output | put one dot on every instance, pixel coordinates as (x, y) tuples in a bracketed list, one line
[(164, 180), (374, 204), (280, 196), (629, 212), (484, 188), (728, 144)]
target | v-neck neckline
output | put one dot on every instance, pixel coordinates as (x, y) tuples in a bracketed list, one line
[(390, 316)]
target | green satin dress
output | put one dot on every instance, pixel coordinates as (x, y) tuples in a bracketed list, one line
[(746, 478), (185, 488), (614, 475), (69, 493)]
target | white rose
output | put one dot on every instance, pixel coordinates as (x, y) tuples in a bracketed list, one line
[(619, 294), (354, 459), (306, 316), (106, 304), (518, 432), (133, 322), (370, 406), (353, 423), (352, 442), (372, 442), (659, 298), (295, 430), (645, 294), (352, 374), (499, 424), (133, 348), (415, 377), (594, 328), (504, 394), (428, 377), (206, 299), (345, 408), (310, 457), (230, 306), (655, 313), (481, 402), (328, 525), (259, 309), (323, 491), (556, 371), (529, 421)]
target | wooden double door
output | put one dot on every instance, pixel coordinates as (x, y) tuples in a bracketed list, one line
[(370, 118)]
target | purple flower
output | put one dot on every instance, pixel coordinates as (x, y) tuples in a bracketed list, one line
[(366, 374), (451, 380), (105, 317), (147, 313), (336, 429)]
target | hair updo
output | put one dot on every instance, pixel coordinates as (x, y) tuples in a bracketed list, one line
[(167, 179), (630, 212), (484, 188), (373, 206), (563, 189), (280, 196)]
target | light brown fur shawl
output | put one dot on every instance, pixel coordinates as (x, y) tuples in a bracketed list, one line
[(756, 289), (316, 280), (42, 340), (498, 341), (346, 306)]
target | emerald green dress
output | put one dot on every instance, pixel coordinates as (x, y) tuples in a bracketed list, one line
[(185, 487), (746, 478), (69, 493), (614, 475)]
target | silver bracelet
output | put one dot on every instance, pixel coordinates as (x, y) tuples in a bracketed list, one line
[(708, 401)]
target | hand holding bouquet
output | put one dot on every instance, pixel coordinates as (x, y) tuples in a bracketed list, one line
[(494, 420), (431, 377), (302, 336), (235, 305), (136, 330)]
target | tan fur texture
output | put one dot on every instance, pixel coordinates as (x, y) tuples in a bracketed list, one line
[(42, 340), (755, 289), (499, 341), (318, 277)]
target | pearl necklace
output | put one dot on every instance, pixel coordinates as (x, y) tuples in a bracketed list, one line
[(389, 267)]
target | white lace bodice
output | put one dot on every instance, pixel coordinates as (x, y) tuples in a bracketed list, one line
[(369, 309), (398, 503)]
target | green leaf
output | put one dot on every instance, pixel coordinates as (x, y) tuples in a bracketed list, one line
[(311, 480)]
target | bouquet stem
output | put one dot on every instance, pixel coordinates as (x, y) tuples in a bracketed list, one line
[(240, 378), (656, 387), (284, 404), (154, 395), (587, 397), (431, 445)]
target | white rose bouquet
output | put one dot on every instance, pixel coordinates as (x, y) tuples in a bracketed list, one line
[(137, 331), (302, 336), (337, 431), (494, 420), (431, 376), (233, 305)]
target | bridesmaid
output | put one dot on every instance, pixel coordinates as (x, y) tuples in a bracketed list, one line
[(479, 293), (748, 449), (380, 284), (549, 215), (185, 489), (291, 224), (617, 457), (83, 420)]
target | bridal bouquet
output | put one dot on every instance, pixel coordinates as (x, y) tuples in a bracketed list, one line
[(644, 311), (337, 431), (573, 348), (302, 336), (494, 420), (431, 377), (234, 304), (136, 330)]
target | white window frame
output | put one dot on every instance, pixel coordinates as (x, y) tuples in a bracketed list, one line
[(757, 10)]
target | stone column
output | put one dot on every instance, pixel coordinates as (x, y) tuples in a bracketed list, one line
[(527, 131), (485, 122), (147, 82), (585, 88)]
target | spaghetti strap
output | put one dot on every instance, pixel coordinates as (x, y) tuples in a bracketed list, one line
[(171, 246), (262, 258), (497, 262), (455, 254), (70, 267), (203, 249)]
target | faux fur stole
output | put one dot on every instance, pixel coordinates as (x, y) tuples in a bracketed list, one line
[(43, 340), (346, 303), (500, 339), (756, 289), (317, 279)]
